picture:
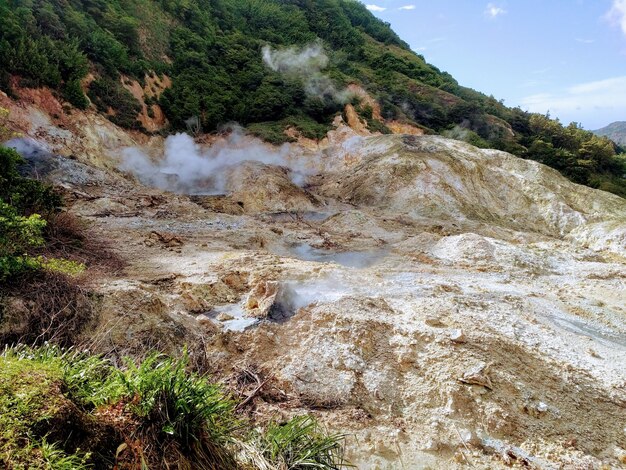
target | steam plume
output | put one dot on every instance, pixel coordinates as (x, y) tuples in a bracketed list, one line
[(187, 168), (305, 64)]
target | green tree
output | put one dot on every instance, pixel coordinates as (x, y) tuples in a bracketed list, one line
[(73, 92)]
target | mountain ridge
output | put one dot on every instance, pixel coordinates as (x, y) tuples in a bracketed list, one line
[(616, 131)]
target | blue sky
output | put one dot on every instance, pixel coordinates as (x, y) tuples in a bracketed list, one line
[(565, 56)]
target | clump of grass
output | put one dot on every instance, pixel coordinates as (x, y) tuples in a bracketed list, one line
[(89, 380), (29, 399), (302, 444), (63, 266), (57, 459), (180, 404), (175, 410), (154, 413)]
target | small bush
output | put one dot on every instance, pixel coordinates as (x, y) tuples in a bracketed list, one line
[(272, 132), (308, 127), (27, 196), (109, 95), (62, 266), (5, 132), (73, 92), (375, 125), (18, 234)]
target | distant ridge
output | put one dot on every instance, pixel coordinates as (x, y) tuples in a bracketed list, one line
[(615, 131)]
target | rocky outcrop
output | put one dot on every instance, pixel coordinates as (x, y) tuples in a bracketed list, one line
[(257, 187), (433, 177)]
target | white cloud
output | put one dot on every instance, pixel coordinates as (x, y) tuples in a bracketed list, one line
[(541, 71), (583, 98), (531, 83), (375, 8), (609, 84), (407, 7), (617, 14), (493, 11)]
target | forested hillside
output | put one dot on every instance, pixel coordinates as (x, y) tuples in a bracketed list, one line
[(212, 52)]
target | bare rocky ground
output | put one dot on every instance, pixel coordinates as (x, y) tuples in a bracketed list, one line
[(446, 307)]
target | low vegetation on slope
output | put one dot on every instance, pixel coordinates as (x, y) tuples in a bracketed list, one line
[(21, 225), (211, 50), (66, 410), (43, 254)]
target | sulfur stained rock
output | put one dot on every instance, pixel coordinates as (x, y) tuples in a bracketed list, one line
[(261, 299), (225, 317)]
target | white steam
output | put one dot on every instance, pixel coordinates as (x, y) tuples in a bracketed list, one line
[(28, 147), (305, 64), (187, 168), (310, 59)]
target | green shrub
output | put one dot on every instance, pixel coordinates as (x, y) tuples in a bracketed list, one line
[(366, 112), (21, 230), (23, 194), (182, 405), (29, 400), (73, 92), (375, 125), (60, 265), (308, 127), (112, 98), (90, 380), (5, 132), (272, 132), (17, 235), (171, 403)]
